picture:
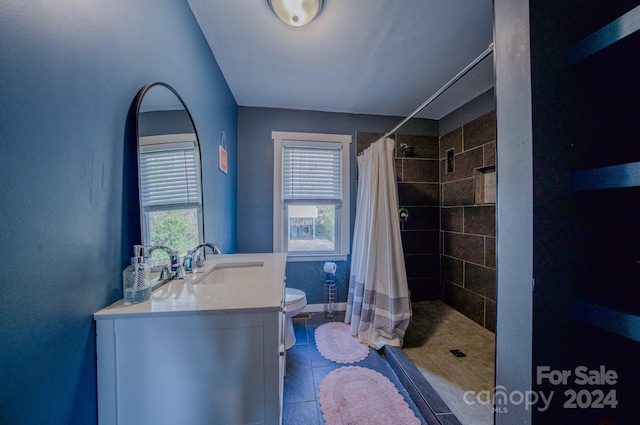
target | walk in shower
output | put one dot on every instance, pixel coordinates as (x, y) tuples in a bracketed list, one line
[(447, 211)]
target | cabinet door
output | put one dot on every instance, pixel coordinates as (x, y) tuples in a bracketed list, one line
[(191, 370)]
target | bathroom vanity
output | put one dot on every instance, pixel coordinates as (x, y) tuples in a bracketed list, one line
[(204, 350)]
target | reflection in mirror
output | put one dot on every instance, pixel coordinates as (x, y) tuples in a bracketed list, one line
[(169, 171)]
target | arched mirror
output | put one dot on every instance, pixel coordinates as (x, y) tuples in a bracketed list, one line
[(169, 170)]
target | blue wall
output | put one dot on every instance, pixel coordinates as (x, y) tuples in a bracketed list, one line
[(255, 180), (69, 72)]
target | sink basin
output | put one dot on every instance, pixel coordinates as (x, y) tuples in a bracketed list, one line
[(235, 272)]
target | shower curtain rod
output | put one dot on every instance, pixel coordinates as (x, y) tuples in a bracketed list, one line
[(443, 88)]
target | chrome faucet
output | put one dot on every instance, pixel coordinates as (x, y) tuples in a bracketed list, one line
[(196, 259), (176, 268)]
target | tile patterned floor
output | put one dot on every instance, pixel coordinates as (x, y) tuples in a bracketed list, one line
[(436, 329), (306, 368)]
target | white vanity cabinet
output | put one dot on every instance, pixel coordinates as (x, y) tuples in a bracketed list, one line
[(191, 366)]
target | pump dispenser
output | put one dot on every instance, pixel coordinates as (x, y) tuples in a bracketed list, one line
[(136, 281)]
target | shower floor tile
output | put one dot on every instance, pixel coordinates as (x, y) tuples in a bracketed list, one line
[(435, 330)]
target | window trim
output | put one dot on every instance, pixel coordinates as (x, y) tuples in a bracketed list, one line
[(343, 224), (166, 142)]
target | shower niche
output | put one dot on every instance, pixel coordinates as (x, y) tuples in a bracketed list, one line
[(485, 185)]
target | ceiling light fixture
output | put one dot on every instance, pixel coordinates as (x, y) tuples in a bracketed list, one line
[(296, 13)]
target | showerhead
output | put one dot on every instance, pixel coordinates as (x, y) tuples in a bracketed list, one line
[(407, 150)]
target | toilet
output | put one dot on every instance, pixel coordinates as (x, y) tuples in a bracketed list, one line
[(295, 301)]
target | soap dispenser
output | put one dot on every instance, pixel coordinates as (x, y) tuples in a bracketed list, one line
[(136, 281)]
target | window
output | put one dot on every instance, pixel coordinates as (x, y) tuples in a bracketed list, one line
[(170, 194), (311, 196)]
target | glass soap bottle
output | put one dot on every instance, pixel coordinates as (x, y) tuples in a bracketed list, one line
[(136, 281)]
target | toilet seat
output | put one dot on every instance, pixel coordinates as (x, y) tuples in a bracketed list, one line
[(295, 299)]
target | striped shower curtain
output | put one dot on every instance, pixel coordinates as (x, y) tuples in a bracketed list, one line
[(378, 304)]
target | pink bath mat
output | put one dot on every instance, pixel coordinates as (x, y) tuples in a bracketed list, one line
[(354, 395), (335, 343)]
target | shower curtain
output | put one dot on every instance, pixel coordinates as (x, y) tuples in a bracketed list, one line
[(378, 305)]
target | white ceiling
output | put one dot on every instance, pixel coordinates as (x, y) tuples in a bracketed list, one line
[(380, 57)]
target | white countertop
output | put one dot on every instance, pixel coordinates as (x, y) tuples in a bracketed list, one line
[(204, 292)]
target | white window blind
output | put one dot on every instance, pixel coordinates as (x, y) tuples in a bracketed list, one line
[(311, 173), (170, 176)]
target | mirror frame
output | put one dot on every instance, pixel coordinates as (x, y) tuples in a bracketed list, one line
[(138, 103)]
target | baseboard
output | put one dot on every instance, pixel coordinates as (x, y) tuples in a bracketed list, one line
[(319, 308)]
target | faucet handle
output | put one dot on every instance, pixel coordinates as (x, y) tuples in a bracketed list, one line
[(198, 260), (179, 272), (165, 274)]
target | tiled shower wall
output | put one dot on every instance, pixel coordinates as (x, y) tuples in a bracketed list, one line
[(419, 192), (468, 230), (449, 238)]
